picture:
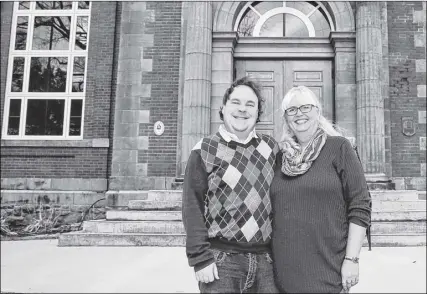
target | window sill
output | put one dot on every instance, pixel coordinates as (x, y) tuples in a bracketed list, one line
[(85, 143)]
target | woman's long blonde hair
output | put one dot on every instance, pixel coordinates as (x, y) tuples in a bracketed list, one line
[(328, 127)]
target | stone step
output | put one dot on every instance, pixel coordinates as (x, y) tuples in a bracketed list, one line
[(394, 195), (381, 228), (155, 227), (377, 205), (164, 240), (396, 240), (100, 239), (177, 227), (122, 198), (398, 205), (155, 205), (138, 215), (393, 215)]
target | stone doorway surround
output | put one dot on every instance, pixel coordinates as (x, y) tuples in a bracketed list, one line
[(211, 46)]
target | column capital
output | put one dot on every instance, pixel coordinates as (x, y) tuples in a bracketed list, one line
[(343, 41), (224, 41)]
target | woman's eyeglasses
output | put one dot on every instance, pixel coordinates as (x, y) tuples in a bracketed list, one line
[(291, 111)]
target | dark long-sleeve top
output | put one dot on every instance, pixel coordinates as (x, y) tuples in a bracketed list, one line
[(311, 216), (226, 202)]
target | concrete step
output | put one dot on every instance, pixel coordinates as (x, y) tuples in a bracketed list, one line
[(393, 215), (155, 205), (394, 195), (120, 199), (381, 228), (137, 215), (396, 240), (105, 239), (398, 205), (114, 227)]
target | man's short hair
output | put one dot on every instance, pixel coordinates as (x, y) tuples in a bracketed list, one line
[(245, 81)]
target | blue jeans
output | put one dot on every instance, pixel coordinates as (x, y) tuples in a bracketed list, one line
[(242, 273)]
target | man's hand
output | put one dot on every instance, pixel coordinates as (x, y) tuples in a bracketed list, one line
[(207, 274), (349, 274)]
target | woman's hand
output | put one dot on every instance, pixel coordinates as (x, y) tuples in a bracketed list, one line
[(349, 274)]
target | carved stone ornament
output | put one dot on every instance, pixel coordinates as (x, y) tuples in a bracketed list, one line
[(408, 126)]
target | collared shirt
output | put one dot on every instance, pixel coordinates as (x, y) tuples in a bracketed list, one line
[(227, 136)]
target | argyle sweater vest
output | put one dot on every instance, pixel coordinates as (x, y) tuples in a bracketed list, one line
[(237, 203)]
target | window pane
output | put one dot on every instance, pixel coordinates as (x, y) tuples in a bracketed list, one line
[(81, 33), (273, 27), (247, 24), (51, 32), (17, 74), (44, 117), (24, 5), (78, 74), (295, 27), (76, 117), (48, 74), (49, 5), (84, 4), (21, 33), (14, 117)]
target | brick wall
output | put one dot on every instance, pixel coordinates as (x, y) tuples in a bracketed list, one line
[(164, 80), (23, 159), (30, 162), (406, 27)]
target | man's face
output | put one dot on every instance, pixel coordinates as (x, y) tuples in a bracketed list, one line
[(241, 111)]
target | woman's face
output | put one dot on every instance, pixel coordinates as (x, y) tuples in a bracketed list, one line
[(302, 122)]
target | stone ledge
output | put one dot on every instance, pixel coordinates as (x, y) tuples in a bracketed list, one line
[(85, 143), (61, 184)]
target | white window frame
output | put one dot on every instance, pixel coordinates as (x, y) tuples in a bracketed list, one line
[(305, 18), (71, 53)]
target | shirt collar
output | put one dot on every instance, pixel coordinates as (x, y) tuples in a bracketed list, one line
[(227, 136)]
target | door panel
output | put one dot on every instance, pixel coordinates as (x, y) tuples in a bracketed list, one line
[(277, 77), (270, 75)]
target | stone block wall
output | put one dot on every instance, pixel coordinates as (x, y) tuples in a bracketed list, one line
[(407, 61)]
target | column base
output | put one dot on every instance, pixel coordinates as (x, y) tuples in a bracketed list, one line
[(379, 181)]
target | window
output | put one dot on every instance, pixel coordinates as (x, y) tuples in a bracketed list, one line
[(284, 19), (46, 82)]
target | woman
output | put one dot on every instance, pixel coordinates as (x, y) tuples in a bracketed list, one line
[(321, 205)]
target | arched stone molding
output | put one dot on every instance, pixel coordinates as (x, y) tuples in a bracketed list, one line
[(225, 14)]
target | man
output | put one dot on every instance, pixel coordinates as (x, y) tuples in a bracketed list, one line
[(226, 205)]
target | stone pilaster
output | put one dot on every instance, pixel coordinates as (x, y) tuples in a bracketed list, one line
[(222, 71), (127, 172), (370, 104), (344, 44), (197, 77)]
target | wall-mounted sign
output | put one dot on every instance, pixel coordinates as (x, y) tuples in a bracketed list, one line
[(159, 128), (408, 126)]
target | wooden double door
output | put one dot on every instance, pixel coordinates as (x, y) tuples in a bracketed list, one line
[(278, 76)]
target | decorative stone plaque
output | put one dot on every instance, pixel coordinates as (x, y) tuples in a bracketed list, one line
[(159, 128), (408, 126)]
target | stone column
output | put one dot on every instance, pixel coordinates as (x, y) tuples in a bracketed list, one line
[(222, 71), (385, 89), (344, 44), (370, 104), (197, 77)]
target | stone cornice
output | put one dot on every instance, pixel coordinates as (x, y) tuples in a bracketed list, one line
[(224, 40), (85, 143), (343, 41)]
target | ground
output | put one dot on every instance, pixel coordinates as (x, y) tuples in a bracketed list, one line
[(41, 266)]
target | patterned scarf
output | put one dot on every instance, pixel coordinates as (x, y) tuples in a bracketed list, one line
[(296, 161)]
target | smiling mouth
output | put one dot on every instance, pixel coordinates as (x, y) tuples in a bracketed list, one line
[(240, 117), (301, 121)]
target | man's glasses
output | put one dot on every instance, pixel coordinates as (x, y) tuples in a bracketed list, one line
[(291, 111)]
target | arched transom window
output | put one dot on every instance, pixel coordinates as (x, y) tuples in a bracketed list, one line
[(284, 19)]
